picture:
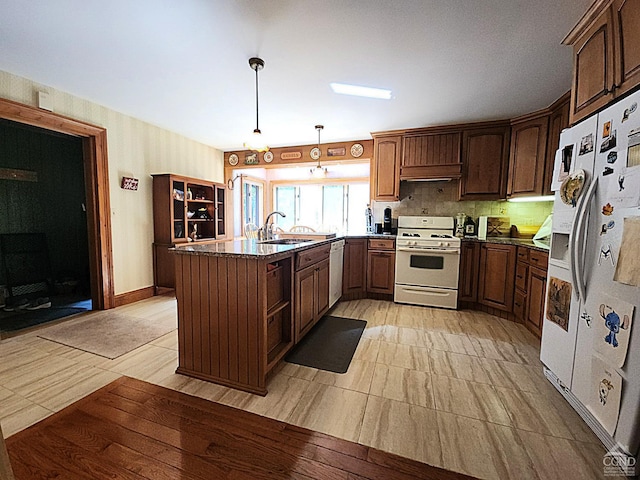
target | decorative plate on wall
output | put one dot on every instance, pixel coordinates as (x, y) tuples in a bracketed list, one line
[(233, 159), (356, 150), (315, 153), (268, 157)]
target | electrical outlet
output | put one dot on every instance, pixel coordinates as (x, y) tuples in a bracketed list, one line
[(503, 211)]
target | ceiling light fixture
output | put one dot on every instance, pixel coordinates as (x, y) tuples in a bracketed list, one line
[(257, 143), (360, 91), (316, 153)]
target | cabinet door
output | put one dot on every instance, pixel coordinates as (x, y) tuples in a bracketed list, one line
[(354, 267), (220, 211), (626, 19), (305, 300), (485, 155), (526, 162), (558, 121), (536, 298), (593, 64), (322, 288), (385, 168), (381, 272), (431, 156), (469, 262), (178, 213), (497, 269)]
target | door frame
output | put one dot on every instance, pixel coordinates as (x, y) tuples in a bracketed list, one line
[(96, 179)]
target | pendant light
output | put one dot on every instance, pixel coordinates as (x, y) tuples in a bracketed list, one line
[(257, 143), (316, 153)]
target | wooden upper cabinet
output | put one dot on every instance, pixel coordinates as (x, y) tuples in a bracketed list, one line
[(626, 22), (606, 51), (385, 168), (485, 155), (528, 155), (431, 156), (558, 121)]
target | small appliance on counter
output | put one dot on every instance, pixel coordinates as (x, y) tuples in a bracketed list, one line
[(493, 227), (386, 222)]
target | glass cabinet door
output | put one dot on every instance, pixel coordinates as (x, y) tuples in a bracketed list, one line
[(178, 211)]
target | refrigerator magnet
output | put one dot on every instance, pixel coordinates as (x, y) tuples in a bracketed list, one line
[(607, 171), (608, 142), (606, 227), (628, 111), (587, 318), (606, 254), (586, 144), (607, 209)]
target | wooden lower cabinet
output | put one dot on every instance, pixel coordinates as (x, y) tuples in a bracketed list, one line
[(535, 299), (354, 270), (497, 269), (468, 279), (312, 296), (381, 266)]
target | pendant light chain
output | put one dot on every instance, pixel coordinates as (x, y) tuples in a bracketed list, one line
[(257, 130)]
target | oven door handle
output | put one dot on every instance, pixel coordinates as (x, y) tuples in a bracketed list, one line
[(428, 250)]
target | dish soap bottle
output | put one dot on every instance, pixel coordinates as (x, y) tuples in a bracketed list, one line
[(369, 218)]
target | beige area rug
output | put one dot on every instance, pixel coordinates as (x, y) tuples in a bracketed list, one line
[(109, 334)]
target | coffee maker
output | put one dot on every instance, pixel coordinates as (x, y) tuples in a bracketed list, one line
[(386, 222)]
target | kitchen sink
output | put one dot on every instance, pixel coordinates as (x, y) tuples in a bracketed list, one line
[(285, 241)]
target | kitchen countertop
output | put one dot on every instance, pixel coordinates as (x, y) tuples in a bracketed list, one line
[(254, 249), (525, 242)]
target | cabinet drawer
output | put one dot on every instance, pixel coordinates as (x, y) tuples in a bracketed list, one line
[(275, 286), (522, 269), (382, 244), (311, 256), (538, 259), (519, 304), (523, 254)]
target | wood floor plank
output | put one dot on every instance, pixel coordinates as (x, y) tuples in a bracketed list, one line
[(133, 430)]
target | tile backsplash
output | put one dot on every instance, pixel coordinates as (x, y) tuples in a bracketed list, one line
[(440, 199)]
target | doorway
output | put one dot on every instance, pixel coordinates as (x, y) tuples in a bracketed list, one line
[(93, 144), (44, 255)]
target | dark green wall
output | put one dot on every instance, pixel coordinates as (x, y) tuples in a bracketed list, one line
[(54, 204)]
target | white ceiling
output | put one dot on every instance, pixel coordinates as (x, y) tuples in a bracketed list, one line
[(183, 65)]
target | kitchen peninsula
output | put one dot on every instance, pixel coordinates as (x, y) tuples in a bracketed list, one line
[(239, 312)]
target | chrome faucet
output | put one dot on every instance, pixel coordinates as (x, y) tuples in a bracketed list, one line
[(266, 231)]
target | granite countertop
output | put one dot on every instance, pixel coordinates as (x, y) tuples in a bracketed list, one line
[(255, 249), (525, 242)]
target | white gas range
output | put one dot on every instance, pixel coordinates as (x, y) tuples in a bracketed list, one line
[(427, 262)]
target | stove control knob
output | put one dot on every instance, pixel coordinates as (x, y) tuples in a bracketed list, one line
[(446, 244), (440, 244)]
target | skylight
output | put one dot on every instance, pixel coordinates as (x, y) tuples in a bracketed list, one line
[(360, 91)]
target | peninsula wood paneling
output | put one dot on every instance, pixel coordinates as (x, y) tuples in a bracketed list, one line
[(221, 320)]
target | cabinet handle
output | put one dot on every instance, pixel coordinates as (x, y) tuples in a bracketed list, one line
[(519, 276), (534, 259)]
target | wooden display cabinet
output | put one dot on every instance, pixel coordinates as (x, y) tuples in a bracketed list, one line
[(185, 210)]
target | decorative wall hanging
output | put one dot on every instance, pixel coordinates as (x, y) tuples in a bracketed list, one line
[(559, 302)]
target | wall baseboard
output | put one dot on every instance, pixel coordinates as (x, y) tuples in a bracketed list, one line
[(134, 296)]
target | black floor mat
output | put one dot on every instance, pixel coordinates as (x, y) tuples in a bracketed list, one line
[(329, 345)]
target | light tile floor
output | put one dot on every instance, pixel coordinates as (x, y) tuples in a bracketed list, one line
[(460, 390)]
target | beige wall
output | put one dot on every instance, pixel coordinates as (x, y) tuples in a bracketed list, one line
[(136, 149)]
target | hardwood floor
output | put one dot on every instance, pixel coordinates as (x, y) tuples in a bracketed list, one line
[(131, 429)]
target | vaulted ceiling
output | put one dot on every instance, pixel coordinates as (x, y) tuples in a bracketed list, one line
[(183, 65)]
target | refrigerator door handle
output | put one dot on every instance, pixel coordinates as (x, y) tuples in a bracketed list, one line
[(573, 246), (580, 240)]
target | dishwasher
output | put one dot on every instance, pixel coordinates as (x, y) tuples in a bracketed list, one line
[(335, 271)]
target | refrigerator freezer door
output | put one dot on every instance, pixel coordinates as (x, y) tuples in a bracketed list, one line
[(558, 345)]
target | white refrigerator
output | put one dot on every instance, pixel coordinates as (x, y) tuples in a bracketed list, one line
[(590, 340)]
